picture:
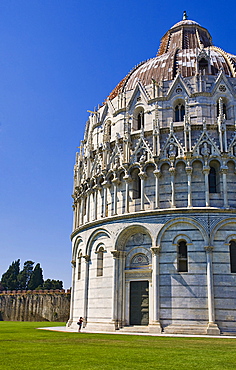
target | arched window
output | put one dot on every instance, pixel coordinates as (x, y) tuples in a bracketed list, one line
[(138, 120), (213, 178), (109, 130), (182, 260), (179, 113), (203, 66), (136, 185), (232, 251), (100, 261)]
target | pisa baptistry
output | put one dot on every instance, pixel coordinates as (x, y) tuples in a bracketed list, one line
[(154, 234)]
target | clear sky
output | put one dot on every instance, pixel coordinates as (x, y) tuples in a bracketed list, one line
[(58, 59)]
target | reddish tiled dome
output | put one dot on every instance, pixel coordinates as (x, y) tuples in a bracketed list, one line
[(178, 52)]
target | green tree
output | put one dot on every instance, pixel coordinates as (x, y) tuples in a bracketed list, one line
[(25, 274), (9, 278), (53, 284), (36, 278)]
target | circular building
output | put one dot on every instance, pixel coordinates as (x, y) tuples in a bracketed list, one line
[(154, 235)]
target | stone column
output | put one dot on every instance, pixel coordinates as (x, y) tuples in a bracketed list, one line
[(82, 210), (115, 289), (212, 328), (155, 322), (74, 207), (189, 171), (185, 138), (142, 176), (100, 189), (78, 213), (88, 206), (157, 174), (224, 170), (206, 171), (70, 321), (105, 186), (121, 290), (172, 181), (127, 181), (225, 140), (86, 284), (115, 182), (95, 201)]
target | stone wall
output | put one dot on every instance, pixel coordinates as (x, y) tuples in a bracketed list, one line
[(50, 305)]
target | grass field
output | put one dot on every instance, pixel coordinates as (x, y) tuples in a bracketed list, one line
[(24, 347)]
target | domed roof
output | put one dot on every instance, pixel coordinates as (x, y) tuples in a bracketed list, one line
[(180, 48), (183, 22)]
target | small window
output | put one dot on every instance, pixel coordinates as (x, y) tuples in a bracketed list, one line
[(232, 249), (109, 130), (138, 122), (203, 66), (212, 180), (100, 262), (182, 257), (136, 185), (179, 113)]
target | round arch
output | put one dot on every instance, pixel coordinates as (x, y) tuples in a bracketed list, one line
[(76, 247), (96, 233), (180, 237), (219, 225), (126, 233), (182, 220)]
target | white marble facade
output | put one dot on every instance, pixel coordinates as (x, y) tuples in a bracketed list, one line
[(154, 234)]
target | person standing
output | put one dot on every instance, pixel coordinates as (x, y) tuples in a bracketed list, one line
[(80, 322)]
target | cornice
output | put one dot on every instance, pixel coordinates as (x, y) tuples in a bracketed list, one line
[(171, 212)]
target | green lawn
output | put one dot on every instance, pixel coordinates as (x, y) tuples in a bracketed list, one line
[(24, 347)]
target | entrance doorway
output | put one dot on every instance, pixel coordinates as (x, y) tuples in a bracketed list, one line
[(139, 303)]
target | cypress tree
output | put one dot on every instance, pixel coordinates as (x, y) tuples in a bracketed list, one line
[(25, 275), (9, 279), (36, 278)]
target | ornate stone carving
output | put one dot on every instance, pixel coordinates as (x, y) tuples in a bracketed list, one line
[(156, 250), (86, 257), (208, 248)]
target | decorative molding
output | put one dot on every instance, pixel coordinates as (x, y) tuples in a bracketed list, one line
[(86, 257), (208, 248), (156, 250)]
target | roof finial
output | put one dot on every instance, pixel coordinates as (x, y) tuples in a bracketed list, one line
[(185, 16)]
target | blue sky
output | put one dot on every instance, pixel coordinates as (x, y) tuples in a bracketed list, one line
[(58, 59)]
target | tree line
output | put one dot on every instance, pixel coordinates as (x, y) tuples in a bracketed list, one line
[(29, 278)]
